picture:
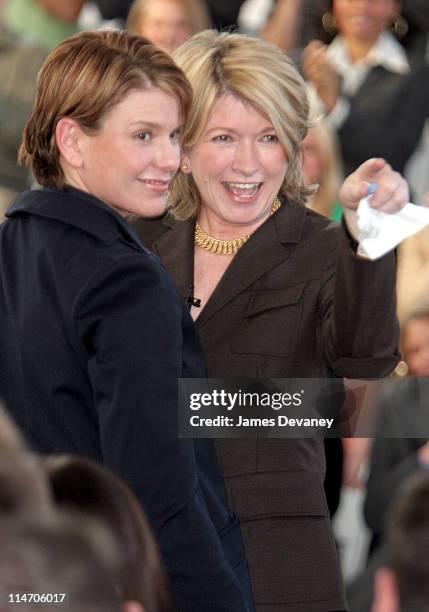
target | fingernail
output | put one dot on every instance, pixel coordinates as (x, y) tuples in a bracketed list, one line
[(372, 188)]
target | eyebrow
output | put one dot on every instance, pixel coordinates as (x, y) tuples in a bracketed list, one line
[(145, 124), (268, 128), (150, 124)]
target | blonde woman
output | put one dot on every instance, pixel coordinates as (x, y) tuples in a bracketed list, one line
[(275, 290)]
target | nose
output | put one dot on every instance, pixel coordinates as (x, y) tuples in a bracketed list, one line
[(167, 156), (246, 160), (166, 27), (363, 4)]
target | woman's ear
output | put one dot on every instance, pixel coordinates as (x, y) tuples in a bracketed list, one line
[(185, 165), (68, 137)]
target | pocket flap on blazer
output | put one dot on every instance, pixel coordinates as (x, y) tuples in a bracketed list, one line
[(274, 298), (262, 495)]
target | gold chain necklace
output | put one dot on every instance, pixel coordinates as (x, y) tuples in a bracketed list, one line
[(225, 247)]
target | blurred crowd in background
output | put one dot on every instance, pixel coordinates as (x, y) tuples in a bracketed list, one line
[(367, 67)]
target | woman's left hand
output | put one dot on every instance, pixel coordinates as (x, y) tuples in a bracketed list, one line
[(392, 189), (390, 195)]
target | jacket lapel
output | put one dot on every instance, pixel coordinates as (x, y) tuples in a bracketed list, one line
[(176, 251), (271, 244)]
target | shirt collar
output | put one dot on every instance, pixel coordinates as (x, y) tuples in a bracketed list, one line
[(387, 52)]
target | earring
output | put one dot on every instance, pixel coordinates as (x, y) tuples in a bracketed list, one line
[(329, 23), (400, 26), (185, 167)]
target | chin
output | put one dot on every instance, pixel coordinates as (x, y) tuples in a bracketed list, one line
[(153, 210)]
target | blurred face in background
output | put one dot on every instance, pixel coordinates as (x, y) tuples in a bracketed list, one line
[(415, 346), (313, 165), (363, 20), (166, 24)]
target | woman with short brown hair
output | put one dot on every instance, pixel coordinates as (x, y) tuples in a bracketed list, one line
[(93, 334)]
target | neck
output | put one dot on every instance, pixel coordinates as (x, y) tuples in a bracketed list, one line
[(75, 181), (359, 49), (223, 230)]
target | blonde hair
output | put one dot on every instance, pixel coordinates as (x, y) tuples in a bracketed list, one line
[(329, 183), (258, 73), (196, 11), (84, 78)]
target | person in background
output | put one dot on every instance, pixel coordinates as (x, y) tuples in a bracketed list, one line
[(24, 486), (322, 166), (167, 23), (223, 13), (58, 562), (284, 24), (82, 485), (400, 447), (413, 272), (93, 333), (275, 290), (415, 339), (402, 584), (44, 22), (375, 95), (31, 28), (293, 24), (20, 61)]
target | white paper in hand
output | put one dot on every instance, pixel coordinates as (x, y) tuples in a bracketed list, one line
[(380, 232)]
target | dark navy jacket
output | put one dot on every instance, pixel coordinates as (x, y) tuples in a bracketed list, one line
[(93, 337)]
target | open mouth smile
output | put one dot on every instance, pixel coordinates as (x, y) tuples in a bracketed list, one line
[(242, 190), (156, 184)]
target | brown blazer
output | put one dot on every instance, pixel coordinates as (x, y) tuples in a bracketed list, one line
[(294, 302)]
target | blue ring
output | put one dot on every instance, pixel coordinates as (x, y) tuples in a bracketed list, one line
[(372, 188)]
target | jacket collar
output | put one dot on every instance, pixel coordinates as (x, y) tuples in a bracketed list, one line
[(271, 244), (176, 251), (79, 209)]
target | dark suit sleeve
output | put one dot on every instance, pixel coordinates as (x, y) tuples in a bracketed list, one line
[(360, 332), (129, 319)]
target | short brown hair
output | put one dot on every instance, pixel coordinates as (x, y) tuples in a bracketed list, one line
[(260, 74), (84, 78), (407, 542), (58, 553), (80, 484), (23, 483)]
